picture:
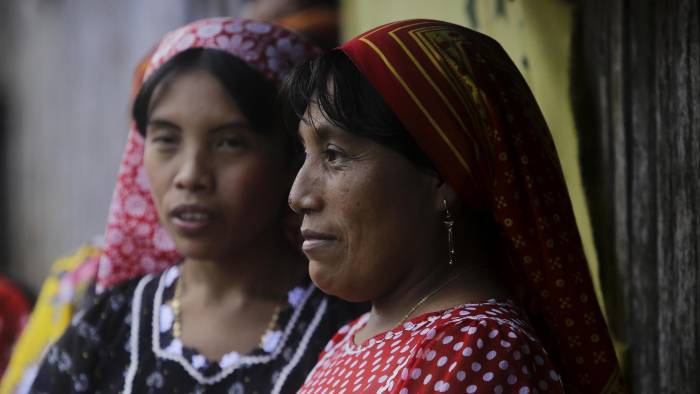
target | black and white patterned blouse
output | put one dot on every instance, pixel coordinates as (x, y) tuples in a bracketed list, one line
[(125, 343)]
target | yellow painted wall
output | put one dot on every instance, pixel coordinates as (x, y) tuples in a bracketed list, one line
[(536, 34)]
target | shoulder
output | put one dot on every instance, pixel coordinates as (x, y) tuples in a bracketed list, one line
[(105, 318), (495, 321), (104, 307), (96, 337), (481, 346), (477, 339)]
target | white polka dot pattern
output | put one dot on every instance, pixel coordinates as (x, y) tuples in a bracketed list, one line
[(474, 348)]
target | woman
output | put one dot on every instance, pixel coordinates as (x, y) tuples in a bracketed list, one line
[(431, 187), (208, 152)]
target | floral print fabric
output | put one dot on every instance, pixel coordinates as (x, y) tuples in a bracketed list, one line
[(124, 343)]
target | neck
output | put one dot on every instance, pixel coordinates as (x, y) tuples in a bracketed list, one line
[(433, 288), (392, 307), (264, 270)]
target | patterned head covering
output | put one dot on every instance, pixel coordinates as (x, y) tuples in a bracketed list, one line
[(466, 104), (134, 242)]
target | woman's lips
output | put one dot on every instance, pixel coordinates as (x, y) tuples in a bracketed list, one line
[(191, 219), (315, 240)]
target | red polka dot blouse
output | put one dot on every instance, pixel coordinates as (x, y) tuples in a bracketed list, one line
[(484, 347)]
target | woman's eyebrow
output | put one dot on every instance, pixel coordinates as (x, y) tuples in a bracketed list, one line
[(162, 123), (322, 132), (319, 133), (233, 125)]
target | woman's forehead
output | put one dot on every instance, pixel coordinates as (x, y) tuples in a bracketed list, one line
[(194, 87), (315, 125)]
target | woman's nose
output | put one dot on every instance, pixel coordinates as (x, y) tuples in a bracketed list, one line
[(195, 172), (305, 196)]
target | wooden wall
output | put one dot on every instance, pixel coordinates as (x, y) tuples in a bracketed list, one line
[(637, 90)]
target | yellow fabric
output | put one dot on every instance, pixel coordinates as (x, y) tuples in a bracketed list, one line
[(48, 320)]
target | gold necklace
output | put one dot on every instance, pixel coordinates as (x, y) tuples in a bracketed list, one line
[(427, 296), (176, 304)]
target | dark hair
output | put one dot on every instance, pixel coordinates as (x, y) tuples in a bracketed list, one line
[(352, 104), (255, 95)]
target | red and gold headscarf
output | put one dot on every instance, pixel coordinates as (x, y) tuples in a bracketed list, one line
[(135, 243), (466, 104)]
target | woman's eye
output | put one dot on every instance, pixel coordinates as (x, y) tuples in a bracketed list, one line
[(164, 140), (331, 155), (334, 155), (230, 143)]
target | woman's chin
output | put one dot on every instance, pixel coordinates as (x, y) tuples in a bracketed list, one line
[(196, 250), (332, 282), (324, 277)]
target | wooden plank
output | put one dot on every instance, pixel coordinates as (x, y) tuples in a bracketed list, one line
[(677, 260), (640, 156), (643, 180)]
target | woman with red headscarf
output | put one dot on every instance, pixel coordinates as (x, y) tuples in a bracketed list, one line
[(432, 188), (203, 286)]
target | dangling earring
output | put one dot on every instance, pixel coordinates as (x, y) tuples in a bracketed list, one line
[(449, 224)]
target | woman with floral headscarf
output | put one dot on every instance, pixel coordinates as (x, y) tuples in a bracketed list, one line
[(432, 188), (203, 182)]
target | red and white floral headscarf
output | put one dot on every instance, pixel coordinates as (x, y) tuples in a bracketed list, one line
[(135, 243)]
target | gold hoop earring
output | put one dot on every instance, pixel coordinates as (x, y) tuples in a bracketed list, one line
[(449, 224)]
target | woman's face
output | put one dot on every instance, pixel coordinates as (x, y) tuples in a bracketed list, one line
[(218, 186), (370, 215)]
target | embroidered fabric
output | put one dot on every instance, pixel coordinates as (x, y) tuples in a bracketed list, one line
[(207, 372), (117, 345)]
